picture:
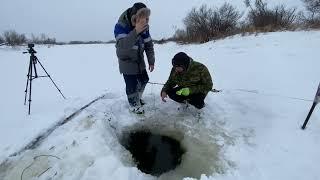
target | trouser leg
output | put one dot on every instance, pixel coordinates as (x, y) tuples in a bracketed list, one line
[(143, 79), (135, 85), (132, 89), (197, 100)]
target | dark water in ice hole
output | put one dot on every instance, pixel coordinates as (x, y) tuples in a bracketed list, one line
[(154, 154)]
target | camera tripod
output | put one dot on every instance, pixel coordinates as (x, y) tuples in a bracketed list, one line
[(33, 69)]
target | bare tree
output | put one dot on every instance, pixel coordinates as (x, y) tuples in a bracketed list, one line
[(46, 40), (12, 38), (229, 17), (43, 39), (262, 17), (312, 17), (196, 23), (34, 39), (1, 40), (313, 6), (205, 24)]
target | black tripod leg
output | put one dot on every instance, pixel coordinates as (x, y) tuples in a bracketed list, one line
[(50, 78), (35, 70), (28, 78), (30, 85), (308, 117)]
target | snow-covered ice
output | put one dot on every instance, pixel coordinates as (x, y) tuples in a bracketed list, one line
[(250, 130)]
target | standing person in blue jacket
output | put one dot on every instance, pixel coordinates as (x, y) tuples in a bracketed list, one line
[(132, 40)]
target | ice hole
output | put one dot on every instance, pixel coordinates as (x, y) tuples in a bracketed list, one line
[(154, 154)]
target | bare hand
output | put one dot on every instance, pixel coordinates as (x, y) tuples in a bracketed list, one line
[(163, 96), (151, 68), (141, 25)]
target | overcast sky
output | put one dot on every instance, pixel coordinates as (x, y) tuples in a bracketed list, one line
[(86, 20)]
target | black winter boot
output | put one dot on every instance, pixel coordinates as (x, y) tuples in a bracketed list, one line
[(142, 102)]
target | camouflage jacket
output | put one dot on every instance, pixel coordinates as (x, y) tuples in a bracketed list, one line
[(197, 78)]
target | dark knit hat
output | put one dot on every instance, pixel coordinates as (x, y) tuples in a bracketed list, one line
[(181, 59), (136, 7)]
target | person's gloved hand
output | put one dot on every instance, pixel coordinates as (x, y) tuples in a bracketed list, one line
[(183, 92)]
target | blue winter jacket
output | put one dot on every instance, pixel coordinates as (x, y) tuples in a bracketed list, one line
[(130, 47)]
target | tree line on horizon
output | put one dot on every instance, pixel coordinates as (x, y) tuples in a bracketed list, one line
[(205, 23), (210, 23)]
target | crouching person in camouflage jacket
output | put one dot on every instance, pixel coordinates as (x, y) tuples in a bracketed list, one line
[(189, 81), (132, 40)]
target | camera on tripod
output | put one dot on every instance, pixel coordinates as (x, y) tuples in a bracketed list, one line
[(30, 50), (32, 74)]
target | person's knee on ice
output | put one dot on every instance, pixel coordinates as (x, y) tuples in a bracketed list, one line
[(189, 80)]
